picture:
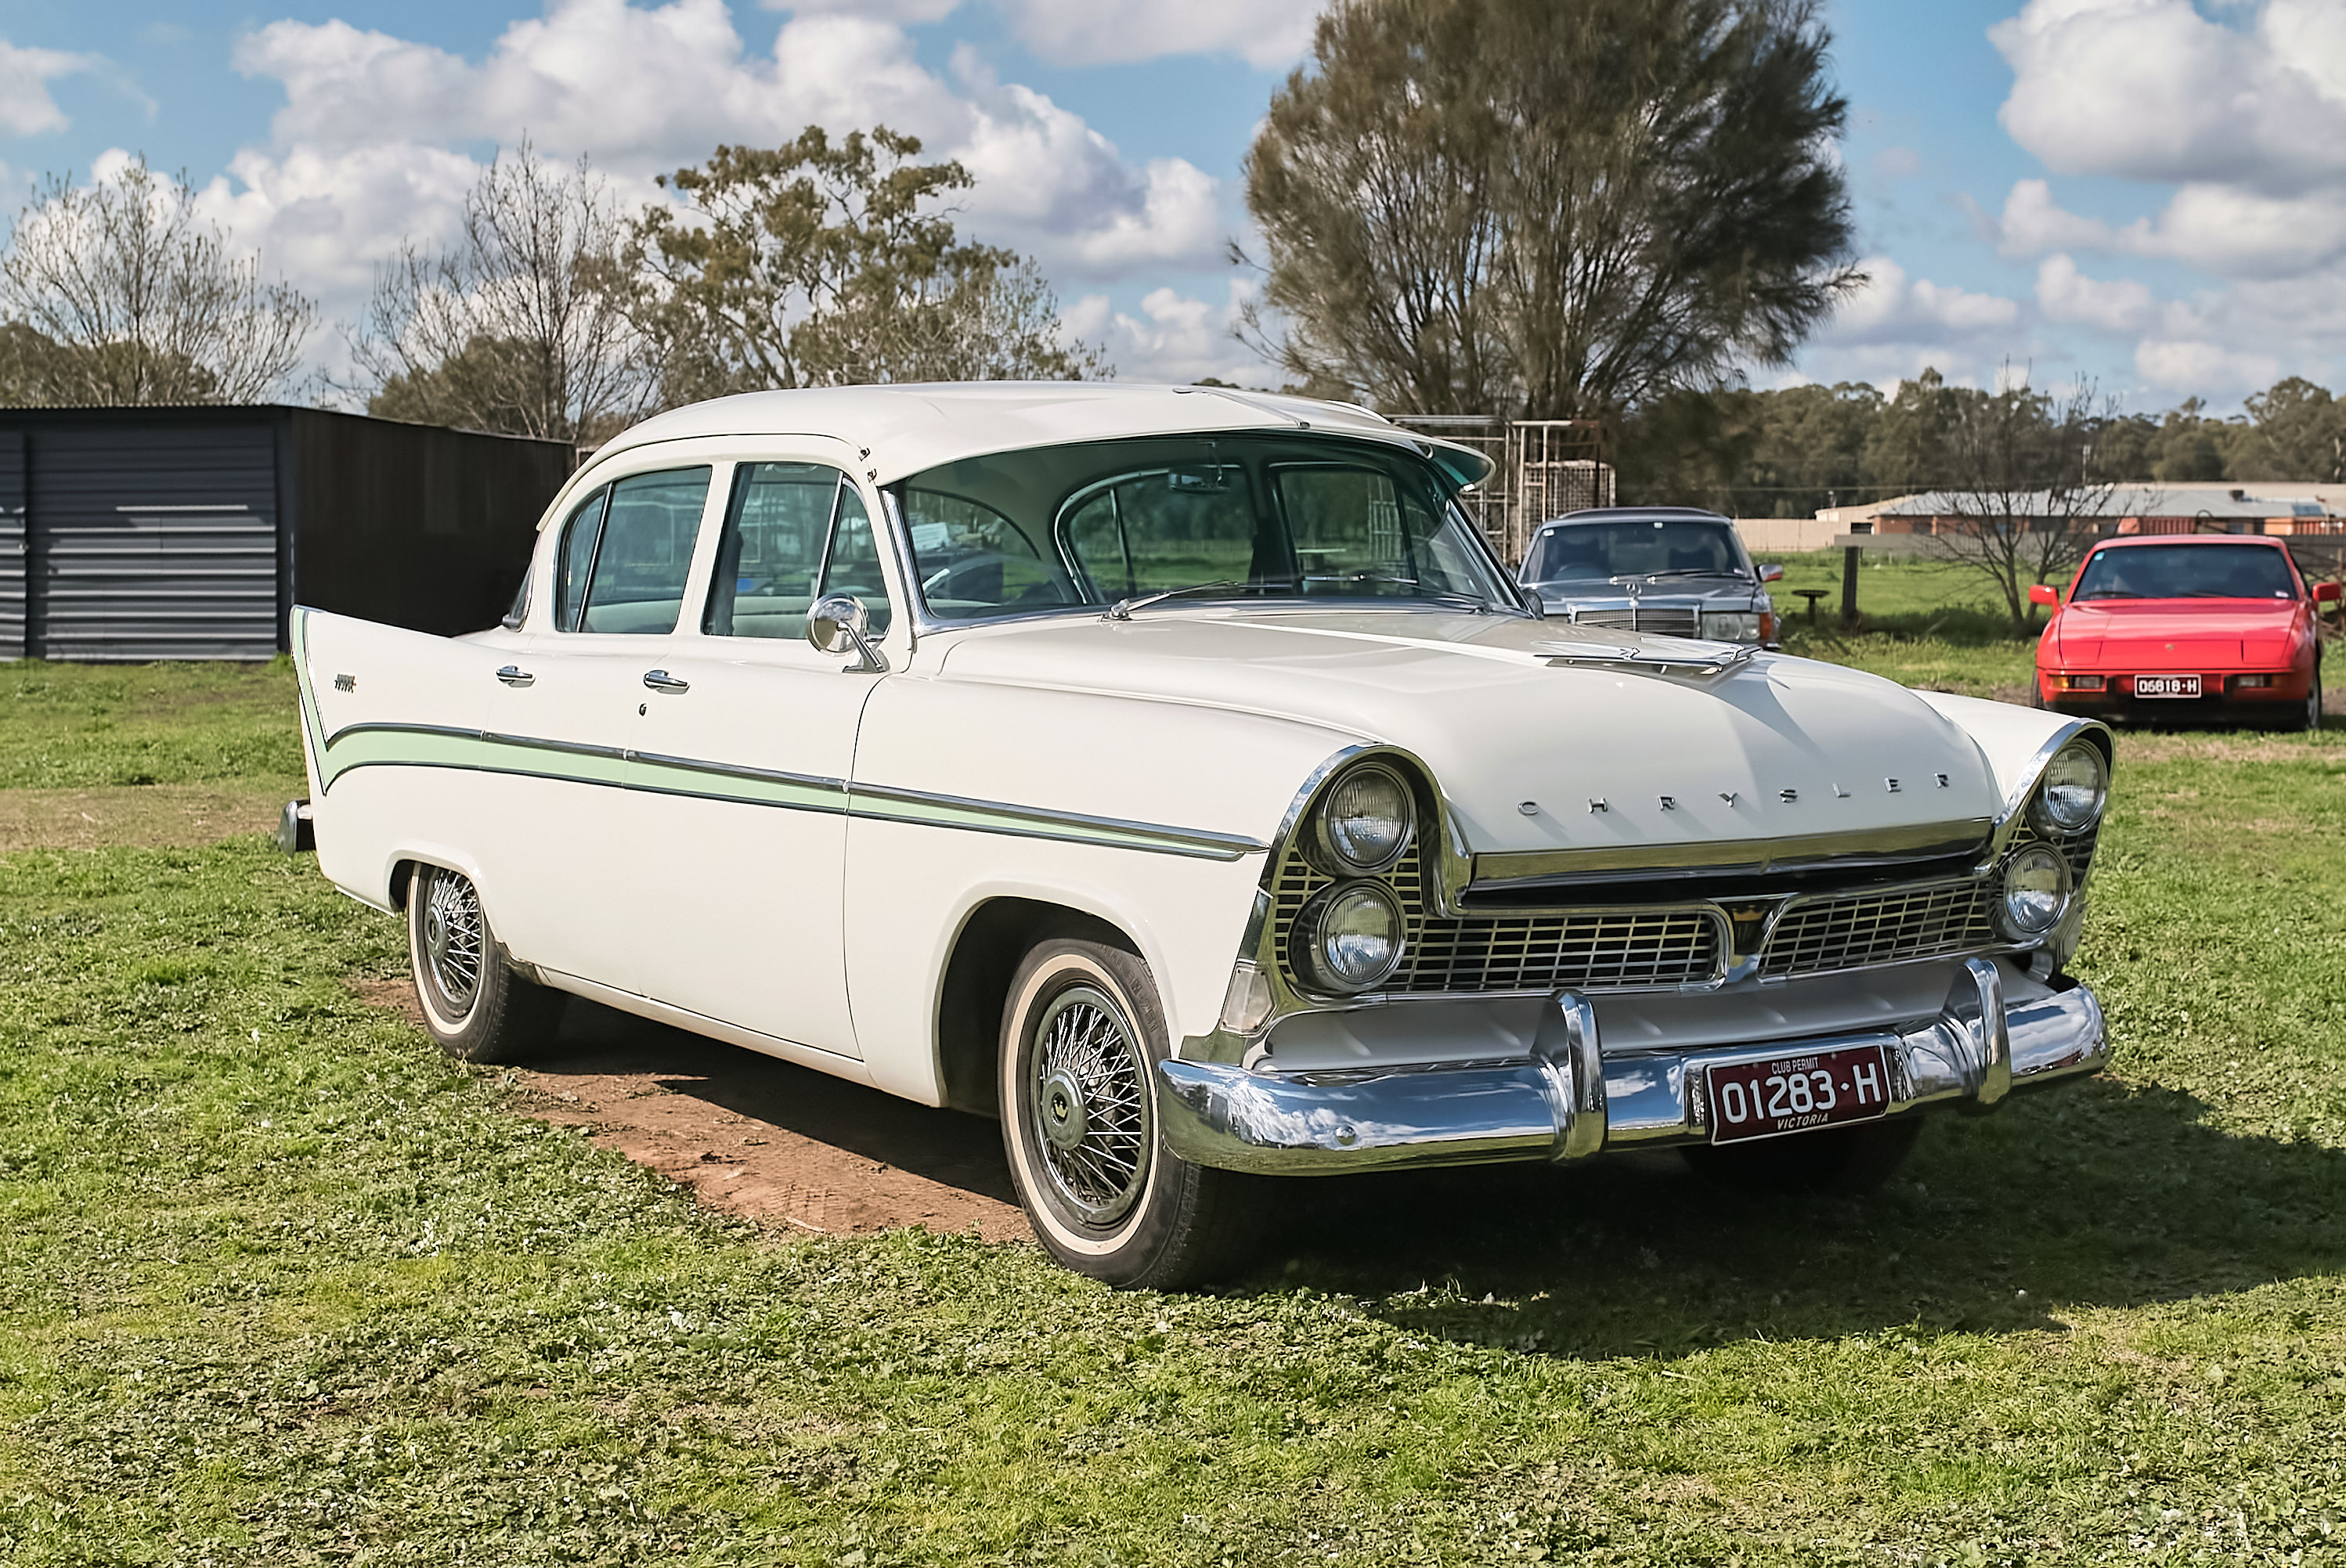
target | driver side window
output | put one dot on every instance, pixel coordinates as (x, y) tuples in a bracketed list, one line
[(794, 532)]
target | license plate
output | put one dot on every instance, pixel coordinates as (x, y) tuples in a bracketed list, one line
[(2167, 686), (1796, 1094)]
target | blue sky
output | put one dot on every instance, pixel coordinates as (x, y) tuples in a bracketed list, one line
[(2146, 192)]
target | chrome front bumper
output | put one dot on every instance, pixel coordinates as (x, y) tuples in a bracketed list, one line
[(1569, 1099)]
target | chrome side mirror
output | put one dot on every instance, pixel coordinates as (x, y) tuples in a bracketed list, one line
[(837, 624), (1771, 573)]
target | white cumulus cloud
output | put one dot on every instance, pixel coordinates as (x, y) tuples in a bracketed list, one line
[(26, 106), (373, 142), (1265, 33), (2067, 294), (1174, 338)]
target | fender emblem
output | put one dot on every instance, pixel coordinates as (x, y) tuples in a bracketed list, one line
[(346, 683), (1789, 797)]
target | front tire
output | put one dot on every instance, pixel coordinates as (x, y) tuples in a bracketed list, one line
[(1082, 1031), (473, 1005)]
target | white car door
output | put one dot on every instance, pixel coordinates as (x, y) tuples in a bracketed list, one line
[(566, 842), (747, 754)]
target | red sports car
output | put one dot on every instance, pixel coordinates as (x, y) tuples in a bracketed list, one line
[(2186, 628)]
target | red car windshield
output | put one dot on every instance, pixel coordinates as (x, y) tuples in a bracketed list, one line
[(2187, 571)]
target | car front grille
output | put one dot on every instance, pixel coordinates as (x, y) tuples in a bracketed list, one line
[(1664, 620), (1587, 951), (1664, 946), (1820, 936)]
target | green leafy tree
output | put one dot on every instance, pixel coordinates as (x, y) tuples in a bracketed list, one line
[(2297, 431), (830, 262), (122, 292), (1544, 209)]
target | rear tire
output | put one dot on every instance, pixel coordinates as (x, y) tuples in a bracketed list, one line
[(1847, 1161), (478, 1009), (1082, 1033)]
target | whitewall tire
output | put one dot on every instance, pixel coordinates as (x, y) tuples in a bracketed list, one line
[(1082, 1031), (473, 1005)]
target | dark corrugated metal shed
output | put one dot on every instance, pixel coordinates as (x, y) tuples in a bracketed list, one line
[(133, 534)]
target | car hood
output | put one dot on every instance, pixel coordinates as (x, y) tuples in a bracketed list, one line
[(2171, 631), (1603, 756)]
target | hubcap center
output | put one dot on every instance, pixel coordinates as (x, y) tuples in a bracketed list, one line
[(1063, 1121)]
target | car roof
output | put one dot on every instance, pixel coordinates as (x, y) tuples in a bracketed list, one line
[(901, 430), (2132, 539), (1634, 513)]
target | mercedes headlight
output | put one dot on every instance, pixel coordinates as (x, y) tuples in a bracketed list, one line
[(1366, 821), (2076, 785), (2035, 894), (1350, 936), (1732, 625)]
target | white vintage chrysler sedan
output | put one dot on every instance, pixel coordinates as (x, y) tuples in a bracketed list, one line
[(1174, 774)]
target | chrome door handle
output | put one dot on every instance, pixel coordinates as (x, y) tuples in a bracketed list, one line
[(514, 675), (660, 680)]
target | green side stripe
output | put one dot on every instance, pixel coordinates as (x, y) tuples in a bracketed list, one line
[(419, 746)]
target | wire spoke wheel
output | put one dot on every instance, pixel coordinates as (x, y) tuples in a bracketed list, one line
[(453, 943), (1087, 1104)]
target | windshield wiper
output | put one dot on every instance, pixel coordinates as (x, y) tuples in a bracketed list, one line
[(1122, 609), (2110, 593), (1444, 595)]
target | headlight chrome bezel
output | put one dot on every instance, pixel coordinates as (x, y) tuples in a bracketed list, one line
[(2009, 924), (2045, 817), (1327, 841), (1312, 937)]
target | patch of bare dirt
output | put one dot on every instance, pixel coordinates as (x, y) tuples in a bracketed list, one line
[(143, 816), (757, 1137)]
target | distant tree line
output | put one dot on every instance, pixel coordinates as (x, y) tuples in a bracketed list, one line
[(1793, 452)]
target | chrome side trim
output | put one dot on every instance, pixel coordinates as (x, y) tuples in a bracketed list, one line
[(1333, 1124), (1231, 846), (1887, 847), (918, 808)]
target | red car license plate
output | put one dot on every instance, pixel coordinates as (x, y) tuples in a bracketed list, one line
[(1795, 1093), (2167, 686)]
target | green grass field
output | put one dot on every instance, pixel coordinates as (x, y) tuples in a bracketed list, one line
[(277, 1283)]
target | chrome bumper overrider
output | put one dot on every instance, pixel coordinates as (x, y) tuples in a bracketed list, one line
[(1568, 1099)]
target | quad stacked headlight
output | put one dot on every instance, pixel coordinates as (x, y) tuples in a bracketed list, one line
[(2068, 800), (1350, 937)]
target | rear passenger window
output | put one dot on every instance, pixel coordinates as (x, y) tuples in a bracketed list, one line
[(636, 585), (794, 532)]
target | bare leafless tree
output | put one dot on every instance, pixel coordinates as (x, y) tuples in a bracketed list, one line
[(122, 291), (522, 325), (2022, 494)]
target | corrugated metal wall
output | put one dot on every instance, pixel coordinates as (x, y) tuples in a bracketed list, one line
[(155, 542), (12, 544), (137, 533)]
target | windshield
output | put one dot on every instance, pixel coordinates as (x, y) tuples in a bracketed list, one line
[(1642, 547), (1225, 516), (2187, 571)]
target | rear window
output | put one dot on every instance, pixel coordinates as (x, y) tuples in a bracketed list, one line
[(2187, 571)]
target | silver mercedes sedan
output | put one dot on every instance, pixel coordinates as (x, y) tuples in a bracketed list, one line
[(1673, 570)]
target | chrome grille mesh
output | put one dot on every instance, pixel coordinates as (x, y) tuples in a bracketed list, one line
[(1854, 932), (1665, 620), (1541, 952), (1586, 950)]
